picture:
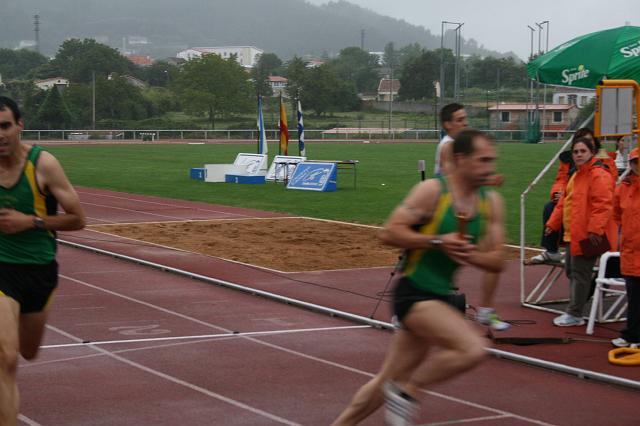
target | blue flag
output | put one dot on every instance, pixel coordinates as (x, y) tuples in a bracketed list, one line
[(263, 148), (300, 131)]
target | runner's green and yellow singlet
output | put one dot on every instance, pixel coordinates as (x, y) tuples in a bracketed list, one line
[(431, 269), (33, 246)]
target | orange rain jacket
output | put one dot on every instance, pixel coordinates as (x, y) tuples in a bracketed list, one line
[(625, 213), (591, 206)]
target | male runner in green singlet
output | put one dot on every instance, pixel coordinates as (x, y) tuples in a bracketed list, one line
[(32, 183), (426, 224)]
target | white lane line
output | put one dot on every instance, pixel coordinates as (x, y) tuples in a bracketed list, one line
[(107, 222), (303, 355), (129, 210), (27, 420), (180, 382), (205, 336), (162, 204), (470, 420)]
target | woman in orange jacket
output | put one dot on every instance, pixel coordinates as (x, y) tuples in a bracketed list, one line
[(625, 213), (585, 212)]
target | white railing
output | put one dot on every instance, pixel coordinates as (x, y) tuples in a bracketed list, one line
[(272, 134)]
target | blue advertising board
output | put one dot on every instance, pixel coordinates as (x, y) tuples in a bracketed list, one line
[(314, 176)]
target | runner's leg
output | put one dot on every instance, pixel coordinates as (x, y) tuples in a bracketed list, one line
[(438, 324), (9, 347), (407, 351)]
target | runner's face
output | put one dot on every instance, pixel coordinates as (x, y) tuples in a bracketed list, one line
[(581, 154), (9, 132), (481, 164), (457, 124)]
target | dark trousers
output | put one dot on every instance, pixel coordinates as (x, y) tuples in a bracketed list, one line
[(549, 242), (632, 332)]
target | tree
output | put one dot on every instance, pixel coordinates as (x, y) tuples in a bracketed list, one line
[(391, 56), (214, 86), (16, 64), (295, 72), (418, 75), (483, 73), (268, 64), (323, 92), (78, 59), (54, 113), (409, 52), (357, 66), (160, 74)]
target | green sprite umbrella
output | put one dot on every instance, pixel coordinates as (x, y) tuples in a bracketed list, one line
[(585, 60)]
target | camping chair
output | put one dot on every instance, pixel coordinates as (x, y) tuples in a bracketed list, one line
[(608, 283)]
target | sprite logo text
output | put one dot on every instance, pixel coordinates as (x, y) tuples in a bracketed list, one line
[(630, 51), (572, 74)]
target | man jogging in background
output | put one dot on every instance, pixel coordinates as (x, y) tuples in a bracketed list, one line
[(443, 223), (32, 183)]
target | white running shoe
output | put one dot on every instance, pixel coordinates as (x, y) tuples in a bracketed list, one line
[(567, 320), (546, 257), (400, 409), (622, 343), (488, 316)]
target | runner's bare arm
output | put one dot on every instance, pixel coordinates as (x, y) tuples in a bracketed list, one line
[(417, 208), (489, 254), (52, 177)]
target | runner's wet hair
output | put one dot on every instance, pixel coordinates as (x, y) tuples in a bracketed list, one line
[(10, 104), (463, 143)]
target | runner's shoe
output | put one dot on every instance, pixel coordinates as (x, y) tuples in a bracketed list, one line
[(488, 316), (400, 408)]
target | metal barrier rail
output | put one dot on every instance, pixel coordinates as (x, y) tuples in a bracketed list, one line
[(272, 134)]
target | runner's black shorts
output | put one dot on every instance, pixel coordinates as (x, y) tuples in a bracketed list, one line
[(29, 285), (406, 294)]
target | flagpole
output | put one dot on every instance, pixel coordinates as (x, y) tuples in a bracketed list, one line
[(258, 125), (280, 126)]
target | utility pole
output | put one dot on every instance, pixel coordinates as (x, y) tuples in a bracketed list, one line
[(36, 30), (362, 39), (391, 96), (544, 93), (456, 86)]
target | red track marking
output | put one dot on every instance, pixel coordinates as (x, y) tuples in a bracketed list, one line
[(306, 378)]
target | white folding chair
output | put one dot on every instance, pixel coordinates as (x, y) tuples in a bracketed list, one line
[(607, 286)]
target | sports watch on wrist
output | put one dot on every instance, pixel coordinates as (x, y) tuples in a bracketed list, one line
[(435, 242), (38, 222)]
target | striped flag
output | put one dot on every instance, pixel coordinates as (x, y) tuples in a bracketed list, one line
[(284, 131), (300, 131), (263, 148)]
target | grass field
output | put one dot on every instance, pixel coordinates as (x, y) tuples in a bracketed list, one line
[(386, 173)]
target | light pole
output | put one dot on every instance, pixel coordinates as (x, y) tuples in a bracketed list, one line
[(93, 99), (544, 92), (457, 50), (530, 115)]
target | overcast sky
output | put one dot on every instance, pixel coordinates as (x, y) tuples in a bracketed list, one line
[(502, 24)]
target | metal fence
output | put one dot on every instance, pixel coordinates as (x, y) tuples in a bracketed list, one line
[(272, 134)]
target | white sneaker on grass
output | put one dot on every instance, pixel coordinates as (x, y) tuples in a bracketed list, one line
[(567, 320), (488, 316), (400, 409)]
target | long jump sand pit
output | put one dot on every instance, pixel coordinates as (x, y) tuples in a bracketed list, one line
[(287, 244)]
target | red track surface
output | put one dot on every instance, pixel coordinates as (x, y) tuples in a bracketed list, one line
[(303, 373)]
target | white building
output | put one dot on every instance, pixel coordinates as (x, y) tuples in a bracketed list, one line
[(52, 82), (278, 85), (573, 96), (247, 56)]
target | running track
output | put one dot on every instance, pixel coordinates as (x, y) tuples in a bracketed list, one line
[(166, 350)]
